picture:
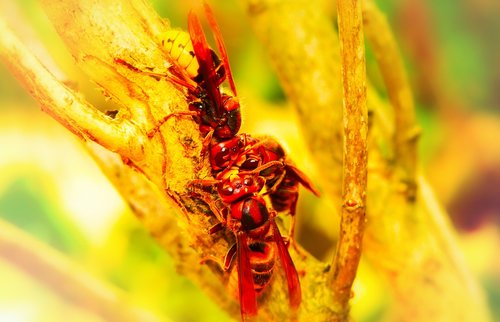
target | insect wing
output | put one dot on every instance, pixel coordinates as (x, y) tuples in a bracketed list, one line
[(179, 77), (303, 179), (203, 54), (220, 45), (248, 298), (294, 291)]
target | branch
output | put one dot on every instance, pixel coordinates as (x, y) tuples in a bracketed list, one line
[(405, 138), (304, 51), (59, 101), (474, 300), (355, 116), (154, 173), (400, 239), (184, 241), (142, 166), (154, 182), (64, 278)]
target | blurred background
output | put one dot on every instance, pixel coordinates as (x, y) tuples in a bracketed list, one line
[(50, 189)]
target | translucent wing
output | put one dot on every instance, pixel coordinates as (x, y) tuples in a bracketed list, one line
[(292, 278), (303, 179), (220, 45), (203, 54), (248, 298)]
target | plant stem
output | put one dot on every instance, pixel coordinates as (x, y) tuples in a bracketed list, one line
[(60, 102), (304, 50), (155, 182), (381, 39), (64, 278), (355, 117)]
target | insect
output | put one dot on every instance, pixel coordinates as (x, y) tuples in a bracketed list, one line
[(283, 178), (196, 68), (245, 212), (267, 158), (178, 45), (245, 169), (217, 110), (258, 239)]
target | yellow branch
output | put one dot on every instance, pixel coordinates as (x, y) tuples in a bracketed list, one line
[(64, 278), (60, 102), (304, 50), (381, 39), (404, 237), (155, 181), (355, 116)]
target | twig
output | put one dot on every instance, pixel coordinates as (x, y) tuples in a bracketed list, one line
[(60, 102), (304, 50), (355, 117), (64, 278), (381, 39), (438, 219), (401, 245), (97, 33), (142, 166)]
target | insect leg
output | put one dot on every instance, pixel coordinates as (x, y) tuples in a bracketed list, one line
[(155, 130)]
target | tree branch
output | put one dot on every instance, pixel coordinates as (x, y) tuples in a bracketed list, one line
[(153, 174), (405, 138), (60, 102), (64, 278), (154, 182), (355, 116), (304, 51), (402, 232)]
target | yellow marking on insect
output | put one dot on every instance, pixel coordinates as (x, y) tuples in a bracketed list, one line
[(178, 45), (231, 174)]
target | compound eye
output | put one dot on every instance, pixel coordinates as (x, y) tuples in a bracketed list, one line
[(250, 164), (222, 156)]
